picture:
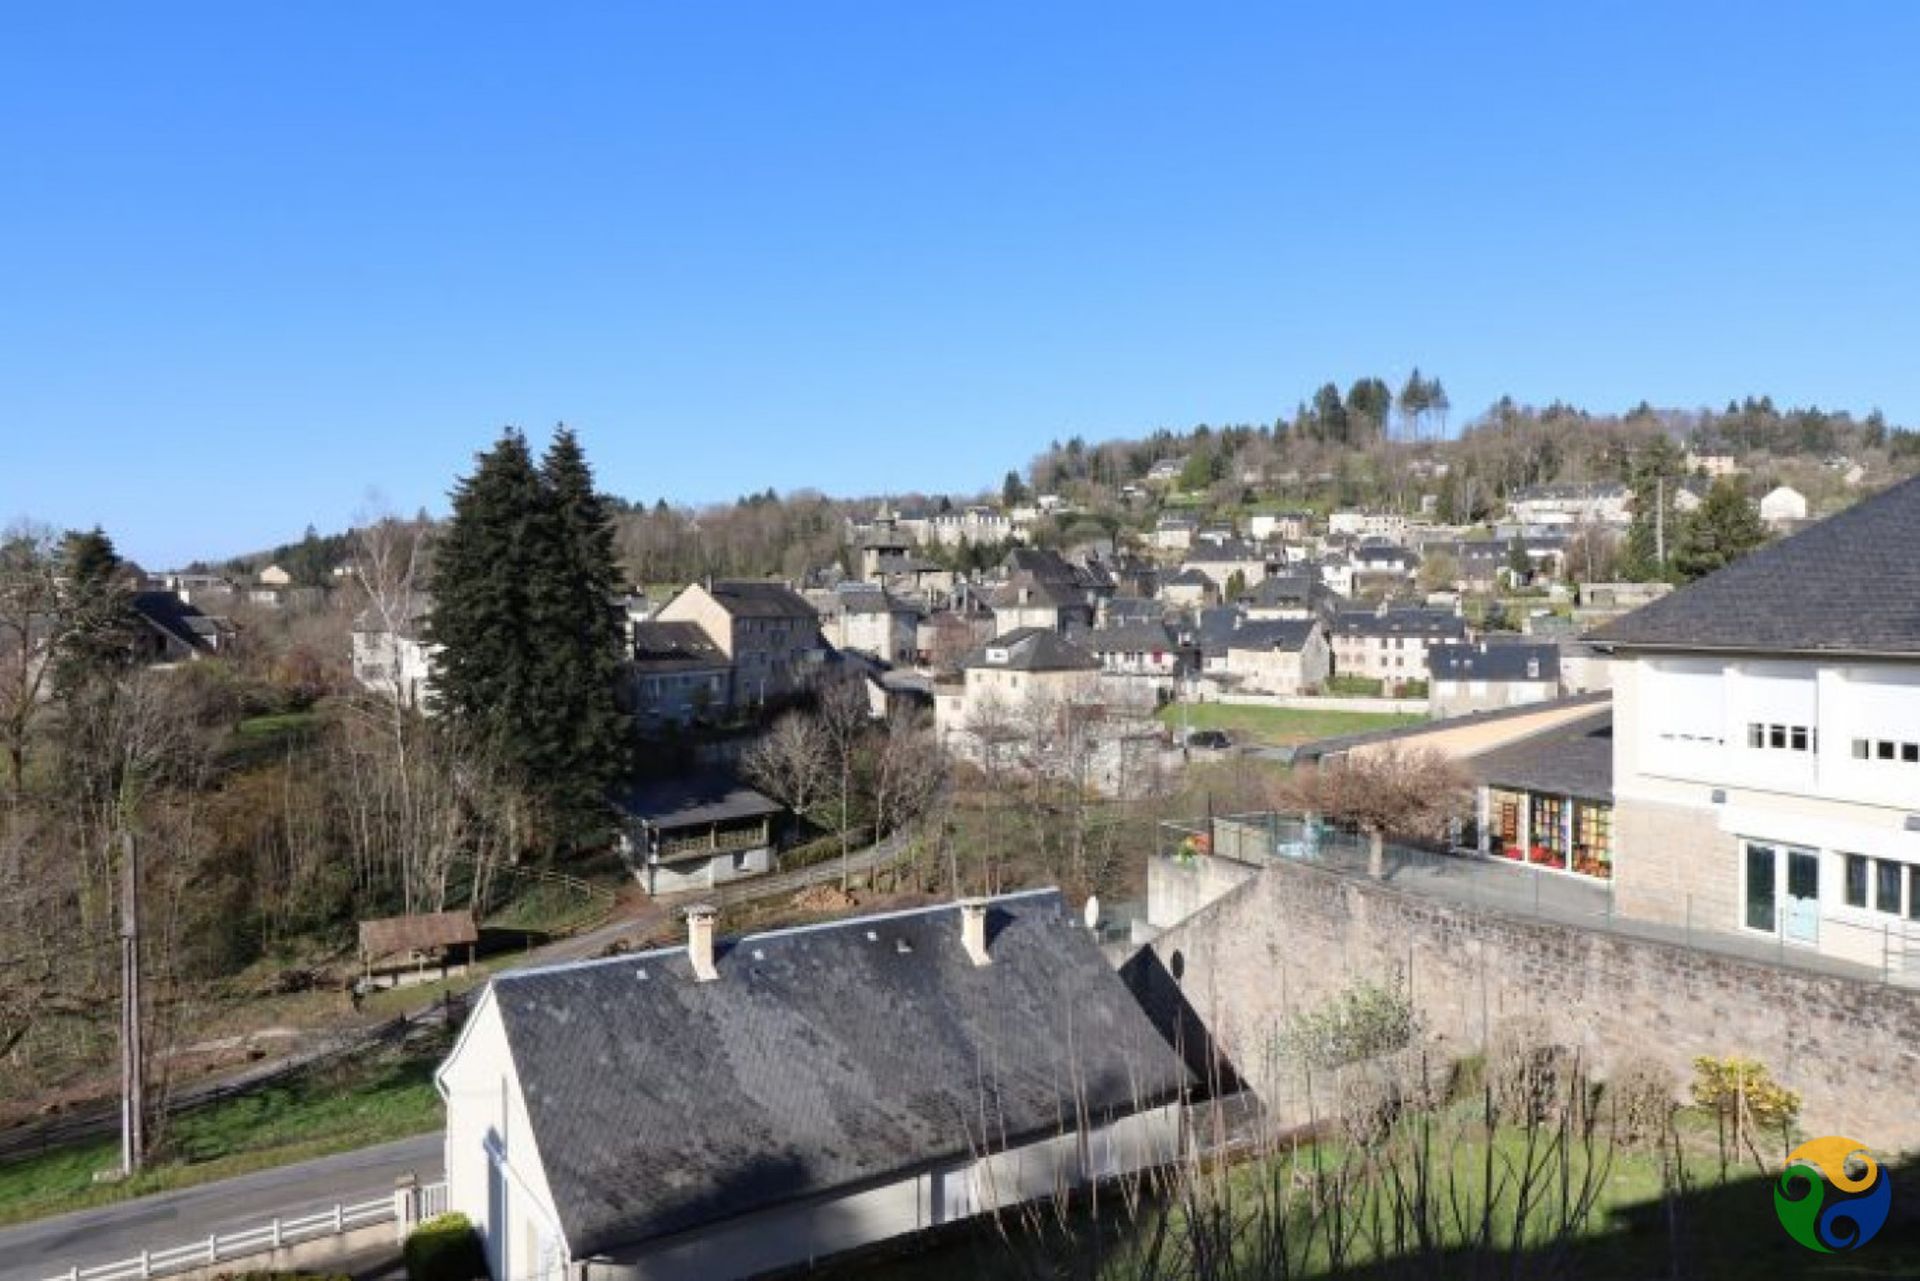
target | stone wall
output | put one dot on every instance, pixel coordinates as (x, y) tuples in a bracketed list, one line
[(1674, 864), (1295, 935)]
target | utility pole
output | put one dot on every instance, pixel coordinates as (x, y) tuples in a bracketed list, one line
[(1660, 520), (133, 1141)]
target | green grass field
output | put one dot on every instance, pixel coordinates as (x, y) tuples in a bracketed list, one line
[(385, 1096), (1281, 726)]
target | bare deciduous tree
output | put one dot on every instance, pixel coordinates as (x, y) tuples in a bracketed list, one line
[(1414, 792), (791, 763), (30, 636)]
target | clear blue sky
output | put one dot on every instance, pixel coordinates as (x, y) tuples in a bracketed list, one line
[(258, 260)]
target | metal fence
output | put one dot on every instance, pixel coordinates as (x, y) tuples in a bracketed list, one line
[(276, 1234), (1885, 952)]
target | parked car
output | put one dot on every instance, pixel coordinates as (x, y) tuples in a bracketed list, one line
[(1212, 740)]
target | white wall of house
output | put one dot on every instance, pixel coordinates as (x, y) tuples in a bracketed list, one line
[(967, 1187), (400, 667), (705, 873), (494, 1173), (1457, 698)]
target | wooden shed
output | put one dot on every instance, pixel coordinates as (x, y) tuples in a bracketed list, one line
[(399, 949)]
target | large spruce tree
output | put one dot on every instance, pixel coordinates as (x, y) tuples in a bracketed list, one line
[(583, 662), (529, 651)]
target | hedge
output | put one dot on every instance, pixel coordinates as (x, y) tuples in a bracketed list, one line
[(445, 1249)]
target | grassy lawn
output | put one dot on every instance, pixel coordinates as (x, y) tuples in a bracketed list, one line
[(385, 1096), (1282, 726)]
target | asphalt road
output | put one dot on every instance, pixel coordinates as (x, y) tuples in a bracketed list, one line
[(46, 1248)]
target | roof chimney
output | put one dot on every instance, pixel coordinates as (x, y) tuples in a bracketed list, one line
[(700, 942), (973, 930)]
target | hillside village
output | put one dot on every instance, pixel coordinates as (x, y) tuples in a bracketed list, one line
[(1267, 685)]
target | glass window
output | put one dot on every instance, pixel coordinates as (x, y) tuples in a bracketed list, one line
[(1799, 738), (1861, 749), (1760, 888), (1910, 753), (1856, 880), (1756, 735), (1776, 736), (1913, 892), (1884, 750), (1886, 886)]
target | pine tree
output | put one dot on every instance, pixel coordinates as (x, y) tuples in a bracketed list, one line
[(1725, 528), (583, 659), (487, 564), (96, 609)]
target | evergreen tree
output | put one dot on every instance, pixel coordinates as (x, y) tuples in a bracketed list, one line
[(1330, 415), (1369, 405), (1725, 528), (587, 732), (96, 608), (1012, 492), (497, 551), (1653, 474)]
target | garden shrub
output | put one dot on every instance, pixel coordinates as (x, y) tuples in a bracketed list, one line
[(445, 1249)]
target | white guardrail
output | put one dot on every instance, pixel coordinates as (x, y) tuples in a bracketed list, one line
[(278, 1234)]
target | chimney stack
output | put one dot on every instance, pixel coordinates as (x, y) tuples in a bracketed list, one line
[(973, 930), (700, 942)]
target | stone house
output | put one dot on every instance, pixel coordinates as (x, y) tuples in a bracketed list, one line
[(1279, 656), (1390, 645), (766, 629), (697, 830), (1484, 675), (676, 674)]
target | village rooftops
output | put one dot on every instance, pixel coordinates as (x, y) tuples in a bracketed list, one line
[(674, 647), (1400, 622), (1032, 649), (1849, 584), (167, 613), (1497, 661), (755, 599), (818, 1059), (1287, 634), (1130, 638)]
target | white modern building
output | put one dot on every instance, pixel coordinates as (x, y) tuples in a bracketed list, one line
[(1767, 742)]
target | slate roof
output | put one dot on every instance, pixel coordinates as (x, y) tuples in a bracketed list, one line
[(1299, 590), (168, 613), (674, 647), (1400, 622), (695, 800), (821, 1058), (1188, 578), (1849, 584), (1033, 649), (1133, 609), (1494, 662), (1130, 638), (754, 599), (1575, 759), (1289, 634)]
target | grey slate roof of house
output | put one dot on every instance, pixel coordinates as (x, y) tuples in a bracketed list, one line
[(1575, 760), (1849, 584), (1289, 634), (695, 800), (1400, 622), (167, 613), (1134, 609), (822, 1058), (1033, 649), (1188, 578), (674, 647), (1494, 662), (753, 599), (1130, 638)]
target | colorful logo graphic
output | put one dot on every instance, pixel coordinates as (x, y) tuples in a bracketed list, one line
[(1832, 1196)]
